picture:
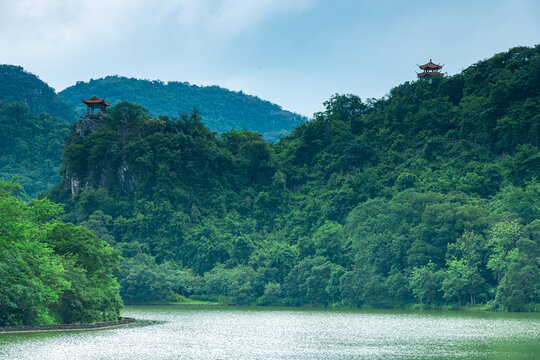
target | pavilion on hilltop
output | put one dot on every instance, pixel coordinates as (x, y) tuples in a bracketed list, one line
[(430, 70), (95, 103)]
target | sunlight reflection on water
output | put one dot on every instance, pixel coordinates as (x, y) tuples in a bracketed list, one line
[(233, 333)]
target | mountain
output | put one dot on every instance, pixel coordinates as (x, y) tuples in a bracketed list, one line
[(33, 126), (221, 109), (428, 196), (19, 85)]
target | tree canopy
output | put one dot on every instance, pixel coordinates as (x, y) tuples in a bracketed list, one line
[(52, 272)]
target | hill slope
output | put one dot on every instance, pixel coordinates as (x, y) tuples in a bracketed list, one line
[(19, 85), (221, 109), (30, 147), (33, 126), (429, 195)]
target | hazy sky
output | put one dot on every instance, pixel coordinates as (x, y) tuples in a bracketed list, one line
[(296, 53)]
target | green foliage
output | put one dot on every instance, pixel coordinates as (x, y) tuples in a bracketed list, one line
[(329, 241), (50, 271), (30, 147), (514, 259), (466, 260), (519, 289), (425, 283), (144, 281), (33, 125), (26, 88), (503, 240), (239, 285), (32, 276)]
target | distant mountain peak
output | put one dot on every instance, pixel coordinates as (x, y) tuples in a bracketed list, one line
[(27, 88), (221, 109)]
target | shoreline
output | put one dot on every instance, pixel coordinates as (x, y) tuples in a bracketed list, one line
[(480, 308), (27, 329)]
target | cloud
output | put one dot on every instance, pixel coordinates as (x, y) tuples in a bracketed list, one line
[(230, 17), (55, 28)]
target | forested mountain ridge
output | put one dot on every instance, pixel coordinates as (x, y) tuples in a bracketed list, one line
[(429, 195), (221, 109), (18, 85), (30, 147), (33, 126)]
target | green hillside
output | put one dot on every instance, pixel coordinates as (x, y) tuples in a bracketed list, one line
[(33, 126), (221, 109), (18, 85), (428, 196), (30, 147)]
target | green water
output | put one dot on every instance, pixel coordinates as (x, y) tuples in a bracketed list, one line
[(170, 332)]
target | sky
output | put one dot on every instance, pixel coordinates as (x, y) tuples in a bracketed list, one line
[(295, 53)]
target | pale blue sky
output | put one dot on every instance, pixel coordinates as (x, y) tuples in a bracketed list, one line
[(296, 53)]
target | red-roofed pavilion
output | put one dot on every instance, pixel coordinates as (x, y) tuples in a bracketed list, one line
[(95, 103), (430, 70)]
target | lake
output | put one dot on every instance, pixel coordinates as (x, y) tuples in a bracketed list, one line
[(175, 332)]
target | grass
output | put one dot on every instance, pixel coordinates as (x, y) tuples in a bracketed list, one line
[(195, 302)]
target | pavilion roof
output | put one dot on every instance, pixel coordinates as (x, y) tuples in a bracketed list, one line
[(432, 73), (430, 65), (94, 100)]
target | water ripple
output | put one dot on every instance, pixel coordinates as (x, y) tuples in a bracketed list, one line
[(232, 333)]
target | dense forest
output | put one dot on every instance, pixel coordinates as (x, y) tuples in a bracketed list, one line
[(30, 147), (221, 109), (52, 272), (427, 197), (33, 125), (21, 86)]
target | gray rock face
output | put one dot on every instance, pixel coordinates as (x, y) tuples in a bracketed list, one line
[(88, 125), (74, 182), (126, 180), (122, 176), (116, 172)]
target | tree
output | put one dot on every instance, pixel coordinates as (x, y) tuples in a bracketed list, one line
[(425, 283), (504, 236), (272, 294), (307, 282), (50, 271), (519, 288), (464, 261), (329, 241), (91, 264), (32, 276)]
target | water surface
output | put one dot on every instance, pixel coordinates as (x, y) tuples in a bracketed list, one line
[(171, 332)]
